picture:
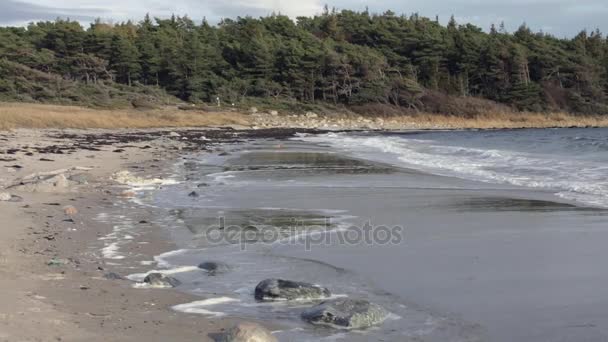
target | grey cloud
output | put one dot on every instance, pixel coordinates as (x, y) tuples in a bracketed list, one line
[(558, 17), (13, 11)]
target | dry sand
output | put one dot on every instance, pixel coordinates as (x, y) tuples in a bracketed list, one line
[(72, 301)]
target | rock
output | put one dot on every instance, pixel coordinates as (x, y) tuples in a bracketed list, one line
[(5, 197), (312, 115), (253, 110), (202, 185), (161, 280), (248, 332), (346, 314), (213, 267), (81, 178), (128, 194), (57, 262), (113, 276), (194, 194), (174, 134), (70, 210), (273, 113), (222, 154), (279, 289)]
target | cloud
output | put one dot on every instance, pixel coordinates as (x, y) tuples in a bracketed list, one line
[(559, 17), (14, 11)]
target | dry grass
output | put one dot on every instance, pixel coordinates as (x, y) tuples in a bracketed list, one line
[(508, 120), (25, 115)]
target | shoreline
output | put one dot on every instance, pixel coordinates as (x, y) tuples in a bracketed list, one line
[(53, 267), (54, 263)]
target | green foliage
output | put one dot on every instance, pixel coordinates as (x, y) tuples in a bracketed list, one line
[(342, 58)]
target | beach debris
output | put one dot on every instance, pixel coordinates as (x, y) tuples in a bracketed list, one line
[(253, 110), (194, 194), (202, 185), (312, 115), (346, 313), (174, 134), (279, 289), (70, 210), (273, 113), (247, 332), (57, 262), (223, 154), (214, 267), (128, 194), (48, 183), (161, 280)]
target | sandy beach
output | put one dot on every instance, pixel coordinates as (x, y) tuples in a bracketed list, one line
[(52, 265)]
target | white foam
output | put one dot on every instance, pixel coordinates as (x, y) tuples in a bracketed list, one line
[(176, 270), (199, 307), (581, 180), (110, 251), (161, 259)]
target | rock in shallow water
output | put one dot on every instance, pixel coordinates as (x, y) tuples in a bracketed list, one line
[(346, 314), (161, 280), (279, 289), (214, 267), (248, 332)]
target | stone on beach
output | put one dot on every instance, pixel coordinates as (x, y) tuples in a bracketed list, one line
[(70, 210), (5, 196), (346, 314), (113, 276), (279, 289), (213, 267), (248, 332), (161, 280), (194, 194)]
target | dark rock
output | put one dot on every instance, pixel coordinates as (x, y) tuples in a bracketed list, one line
[(346, 314), (279, 289), (113, 276), (247, 332), (213, 267), (161, 280), (202, 185), (194, 194), (224, 154)]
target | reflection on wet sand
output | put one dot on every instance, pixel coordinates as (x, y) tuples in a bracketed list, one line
[(493, 204)]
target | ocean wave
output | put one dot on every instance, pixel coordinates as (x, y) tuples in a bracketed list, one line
[(572, 177)]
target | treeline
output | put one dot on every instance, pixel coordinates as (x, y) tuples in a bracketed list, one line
[(345, 58)]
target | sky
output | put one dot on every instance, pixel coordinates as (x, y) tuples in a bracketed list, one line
[(562, 18)]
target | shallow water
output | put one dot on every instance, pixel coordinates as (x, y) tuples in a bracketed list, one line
[(473, 261)]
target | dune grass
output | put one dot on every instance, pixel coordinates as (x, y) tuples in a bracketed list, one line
[(25, 115), (506, 120)]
